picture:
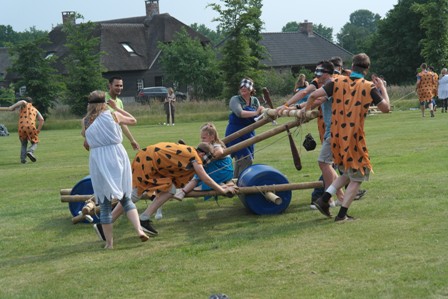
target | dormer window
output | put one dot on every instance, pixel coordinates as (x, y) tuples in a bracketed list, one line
[(129, 49)]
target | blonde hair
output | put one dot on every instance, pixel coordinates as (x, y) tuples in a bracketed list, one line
[(301, 81), (170, 90), (94, 109), (211, 130)]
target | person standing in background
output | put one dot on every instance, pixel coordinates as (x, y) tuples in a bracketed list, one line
[(168, 105), (115, 89), (425, 87), (244, 108), (443, 89)]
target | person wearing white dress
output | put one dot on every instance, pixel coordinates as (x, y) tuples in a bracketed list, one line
[(110, 168)]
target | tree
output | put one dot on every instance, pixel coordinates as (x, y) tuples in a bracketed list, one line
[(8, 35), (354, 35), (215, 37), (41, 80), (291, 27), (395, 47), (83, 64), (323, 31), (186, 62), (241, 54), (434, 21)]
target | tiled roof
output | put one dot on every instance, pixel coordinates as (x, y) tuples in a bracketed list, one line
[(297, 48)]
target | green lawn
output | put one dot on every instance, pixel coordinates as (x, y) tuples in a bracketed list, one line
[(397, 248)]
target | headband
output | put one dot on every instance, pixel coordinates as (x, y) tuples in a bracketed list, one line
[(97, 100), (247, 83)]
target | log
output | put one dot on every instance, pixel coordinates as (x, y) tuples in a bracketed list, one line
[(242, 190), (247, 129), (4, 109), (300, 118)]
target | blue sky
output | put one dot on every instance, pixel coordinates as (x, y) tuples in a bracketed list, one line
[(44, 14)]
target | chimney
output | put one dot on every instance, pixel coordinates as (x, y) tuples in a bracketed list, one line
[(307, 28), (152, 8), (68, 17)]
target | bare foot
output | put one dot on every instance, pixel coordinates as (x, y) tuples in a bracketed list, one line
[(108, 247), (144, 237)]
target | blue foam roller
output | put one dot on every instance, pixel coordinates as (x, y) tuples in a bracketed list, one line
[(83, 187), (261, 175)]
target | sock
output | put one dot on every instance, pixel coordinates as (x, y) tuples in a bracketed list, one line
[(144, 217), (342, 212)]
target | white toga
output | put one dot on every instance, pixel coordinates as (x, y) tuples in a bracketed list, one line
[(110, 168)]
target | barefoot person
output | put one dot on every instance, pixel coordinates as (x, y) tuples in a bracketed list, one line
[(110, 168)]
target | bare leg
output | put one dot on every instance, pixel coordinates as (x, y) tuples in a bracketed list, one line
[(133, 217), (160, 199), (329, 175), (107, 229), (350, 193)]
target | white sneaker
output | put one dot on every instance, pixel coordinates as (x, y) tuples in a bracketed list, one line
[(338, 203), (313, 206), (179, 195), (158, 215), (332, 203)]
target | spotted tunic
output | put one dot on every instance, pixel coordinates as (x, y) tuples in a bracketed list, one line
[(157, 167), (425, 89), (27, 123), (351, 101)]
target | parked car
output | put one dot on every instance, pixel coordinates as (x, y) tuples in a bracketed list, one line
[(145, 94), (158, 92)]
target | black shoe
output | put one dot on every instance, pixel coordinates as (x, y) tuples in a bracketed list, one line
[(99, 231), (347, 218), (360, 194), (31, 156), (323, 207), (147, 227)]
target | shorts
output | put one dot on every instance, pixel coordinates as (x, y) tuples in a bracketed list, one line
[(325, 155), (355, 175)]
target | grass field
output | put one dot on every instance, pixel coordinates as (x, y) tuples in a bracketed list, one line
[(397, 248)]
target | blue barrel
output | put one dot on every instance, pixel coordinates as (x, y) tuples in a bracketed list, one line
[(261, 175), (83, 187)]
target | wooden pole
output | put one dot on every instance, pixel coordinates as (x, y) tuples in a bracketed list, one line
[(242, 190), (4, 109), (300, 118), (247, 129)]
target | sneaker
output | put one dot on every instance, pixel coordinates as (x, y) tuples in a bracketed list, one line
[(31, 156), (23, 161), (360, 194), (99, 231), (332, 203), (179, 195), (323, 207), (147, 227), (338, 203), (347, 218)]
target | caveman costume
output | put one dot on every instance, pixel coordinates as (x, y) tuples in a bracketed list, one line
[(27, 123), (157, 167), (351, 101), (426, 87)]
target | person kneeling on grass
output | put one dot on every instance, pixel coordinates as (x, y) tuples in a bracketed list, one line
[(161, 168)]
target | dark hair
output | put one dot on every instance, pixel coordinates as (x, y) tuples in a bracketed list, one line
[(336, 60), (111, 79), (361, 63), (327, 65)]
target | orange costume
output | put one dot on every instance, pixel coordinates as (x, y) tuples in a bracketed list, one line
[(27, 123), (157, 167), (426, 86), (351, 101)]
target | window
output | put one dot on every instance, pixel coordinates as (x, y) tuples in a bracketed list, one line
[(129, 49), (140, 84)]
